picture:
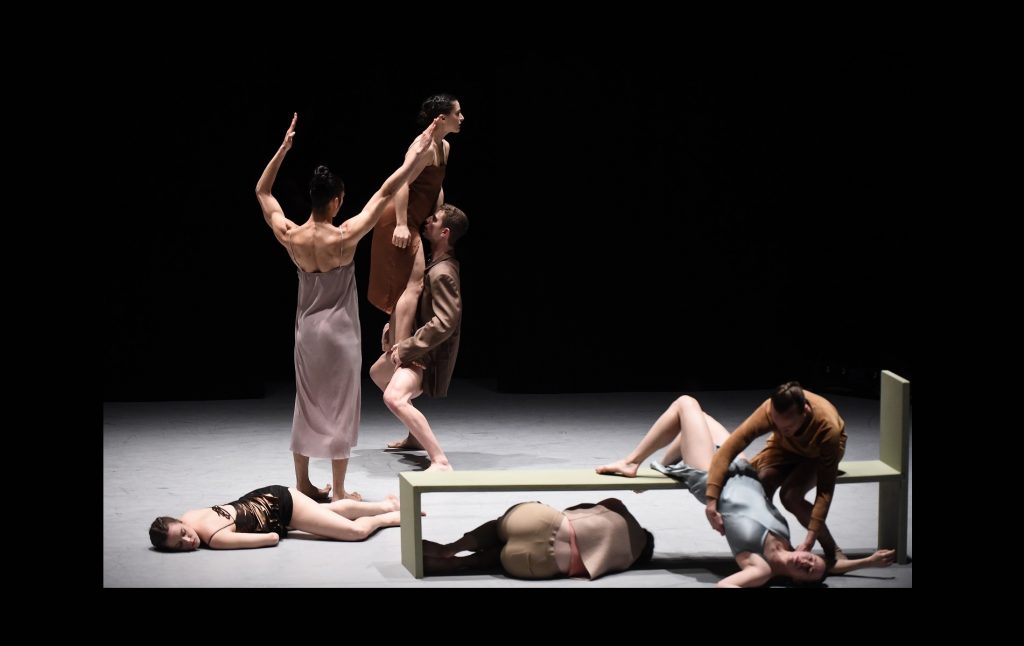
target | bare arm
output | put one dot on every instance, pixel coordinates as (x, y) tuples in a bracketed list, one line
[(400, 238), (353, 229), (881, 558), (272, 211), (754, 572), (237, 541)]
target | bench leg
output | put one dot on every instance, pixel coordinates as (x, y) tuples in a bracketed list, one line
[(892, 517), (412, 530)]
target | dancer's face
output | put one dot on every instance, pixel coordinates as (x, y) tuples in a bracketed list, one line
[(182, 538), (432, 227), (789, 422), (453, 120), (805, 567)]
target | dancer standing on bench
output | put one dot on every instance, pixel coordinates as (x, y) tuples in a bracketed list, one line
[(328, 350), (757, 533), (536, 541), (423, 363)]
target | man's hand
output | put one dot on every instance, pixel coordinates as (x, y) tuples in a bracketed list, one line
[(385, 346), (715, 518), (808, 542)]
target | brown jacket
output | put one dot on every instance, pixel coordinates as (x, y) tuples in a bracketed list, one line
[(436, 343), (822, 438), (608, 537)]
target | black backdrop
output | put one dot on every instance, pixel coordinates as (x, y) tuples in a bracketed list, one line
[(635, 223)]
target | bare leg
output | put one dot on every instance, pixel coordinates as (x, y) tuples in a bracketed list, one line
[(353, 509), (338, 469), (308, 516), (302, 482), (794, 498), (718, 433), (404, 316), (683, 420), (406, 385), (381, 372)]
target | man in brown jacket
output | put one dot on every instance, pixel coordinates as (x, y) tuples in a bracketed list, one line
[(807, 442), (423, 363)]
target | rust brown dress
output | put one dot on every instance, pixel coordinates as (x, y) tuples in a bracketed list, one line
[(390, 266)]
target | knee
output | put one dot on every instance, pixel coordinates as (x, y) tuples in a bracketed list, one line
[(792, 498), (394, 399), (378, 373), (686, 403)]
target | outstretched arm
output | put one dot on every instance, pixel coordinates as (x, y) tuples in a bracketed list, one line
[(272, 211), (755, 572), (353, 229), (237, 541), (881, 558)]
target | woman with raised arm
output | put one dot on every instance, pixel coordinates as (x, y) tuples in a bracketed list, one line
[(328, 351), (396, 260)]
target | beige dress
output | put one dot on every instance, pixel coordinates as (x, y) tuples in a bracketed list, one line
[(328, 359)]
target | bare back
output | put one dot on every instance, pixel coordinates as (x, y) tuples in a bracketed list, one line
[(318, 247), (207, 522)]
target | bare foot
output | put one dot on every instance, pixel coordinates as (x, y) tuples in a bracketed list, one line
[(620, 468), (437, 466), (391, 502), (319, 495), (351, 495), (408, 444)]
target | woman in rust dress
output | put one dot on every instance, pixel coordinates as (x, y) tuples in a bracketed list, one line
[(396, 259)]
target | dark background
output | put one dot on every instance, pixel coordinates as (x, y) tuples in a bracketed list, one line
[(636, 223)]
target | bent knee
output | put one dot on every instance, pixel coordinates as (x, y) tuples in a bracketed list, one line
[(686, 402), (792, 498), (394, 398)]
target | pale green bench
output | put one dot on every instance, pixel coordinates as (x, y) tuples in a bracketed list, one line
[(890, 472)]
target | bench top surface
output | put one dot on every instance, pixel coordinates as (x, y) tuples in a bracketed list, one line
[(587, 479), (541, 479)]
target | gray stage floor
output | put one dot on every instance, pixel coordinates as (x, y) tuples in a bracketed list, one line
[(165, 458)]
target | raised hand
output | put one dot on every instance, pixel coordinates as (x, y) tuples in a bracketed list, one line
[(290, 135), (421, 145)]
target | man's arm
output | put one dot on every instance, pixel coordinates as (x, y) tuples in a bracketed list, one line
[(828, 472), (272, 211), (754, 426), (447, 304)]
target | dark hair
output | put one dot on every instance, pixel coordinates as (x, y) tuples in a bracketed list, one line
[(455, 221), (158, 532), (648, 551), (324, 186), (433, 106), (787, 396)]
